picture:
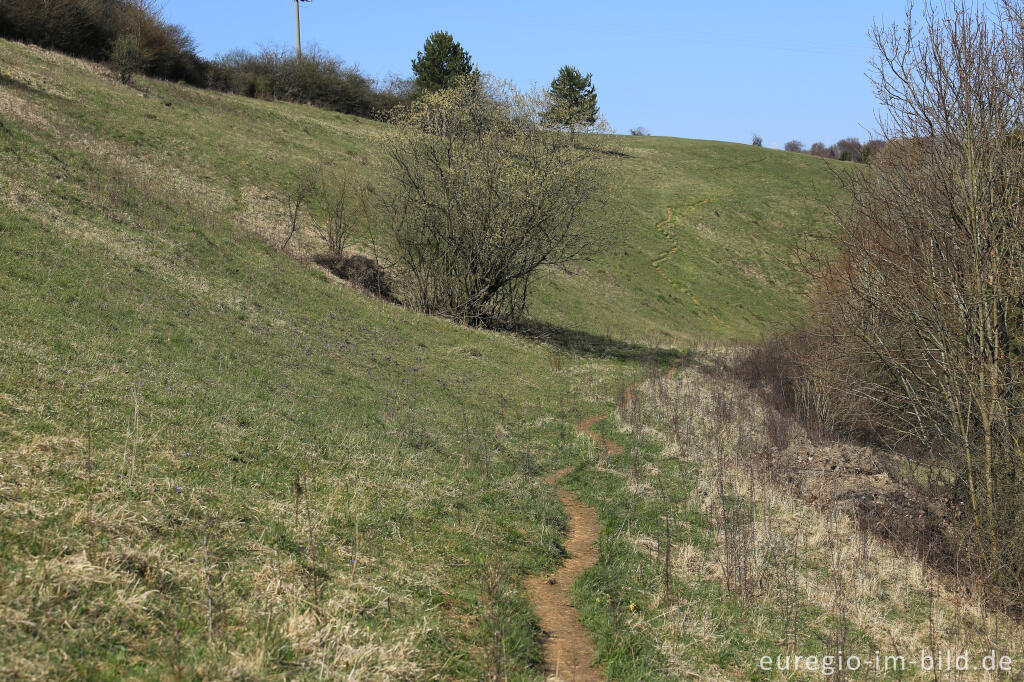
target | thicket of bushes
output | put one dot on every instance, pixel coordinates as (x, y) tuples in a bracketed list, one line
[(316, 78), (483, 195), (917, 335), (91, 29), (131, 35)]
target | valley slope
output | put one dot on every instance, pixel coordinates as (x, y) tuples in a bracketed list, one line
[(217, 460)]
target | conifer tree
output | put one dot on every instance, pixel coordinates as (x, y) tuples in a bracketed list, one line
[(441, 63), (572, 101)]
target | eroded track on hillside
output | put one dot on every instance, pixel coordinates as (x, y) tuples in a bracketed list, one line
[(664, 227)]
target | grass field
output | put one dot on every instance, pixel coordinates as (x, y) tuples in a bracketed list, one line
[(217, 461), (708, 233)]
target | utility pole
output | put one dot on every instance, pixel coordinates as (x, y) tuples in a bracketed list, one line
[(298, 31)]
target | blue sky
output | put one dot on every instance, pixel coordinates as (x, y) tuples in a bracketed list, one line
[(708, 70)]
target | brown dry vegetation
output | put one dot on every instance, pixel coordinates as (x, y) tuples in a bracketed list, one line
[(916, 339), (808, 527)]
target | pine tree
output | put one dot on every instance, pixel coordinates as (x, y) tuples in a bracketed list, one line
[(441, 63), (573, 101)]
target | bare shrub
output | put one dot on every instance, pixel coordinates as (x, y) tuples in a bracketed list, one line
[(481, 198), (639, 131), (792, 375), (794, 146), (921, 318), (757, 141), (300, 188), (768, 367), (334, 202)]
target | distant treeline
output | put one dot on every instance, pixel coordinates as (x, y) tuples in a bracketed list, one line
[(99, 30), (847, 149)]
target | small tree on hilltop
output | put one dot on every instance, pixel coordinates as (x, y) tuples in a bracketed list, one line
[(441, 63), (572, 102), (819, 149)]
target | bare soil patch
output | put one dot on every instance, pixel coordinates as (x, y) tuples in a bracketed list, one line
[(568, 649)]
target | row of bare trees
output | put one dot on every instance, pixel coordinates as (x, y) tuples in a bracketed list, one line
[(847, 149), (918, 332)]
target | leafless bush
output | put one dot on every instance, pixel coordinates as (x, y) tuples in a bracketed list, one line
[(482, 198), (794, 146), (639, 131), (769, 368), (334, 213), (791, 374), (299, 189), (921, 317), (757, 141), (734, 522)]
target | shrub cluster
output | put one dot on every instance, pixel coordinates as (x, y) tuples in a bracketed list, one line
[(482, 197), (96, 29), (133, 38), (316, 78)]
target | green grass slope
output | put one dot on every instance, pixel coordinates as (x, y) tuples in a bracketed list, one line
[(219, 462), (707, 234)]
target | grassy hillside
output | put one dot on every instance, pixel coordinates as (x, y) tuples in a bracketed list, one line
[(707, 236), (218, 461), (718, 265)]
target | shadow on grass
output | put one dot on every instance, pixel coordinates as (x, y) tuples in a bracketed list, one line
[(595, 345), (8, 82), (608, 152)]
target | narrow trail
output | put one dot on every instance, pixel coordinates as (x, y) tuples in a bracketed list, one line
[(665, 255), (568, 649), (662, 227)]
